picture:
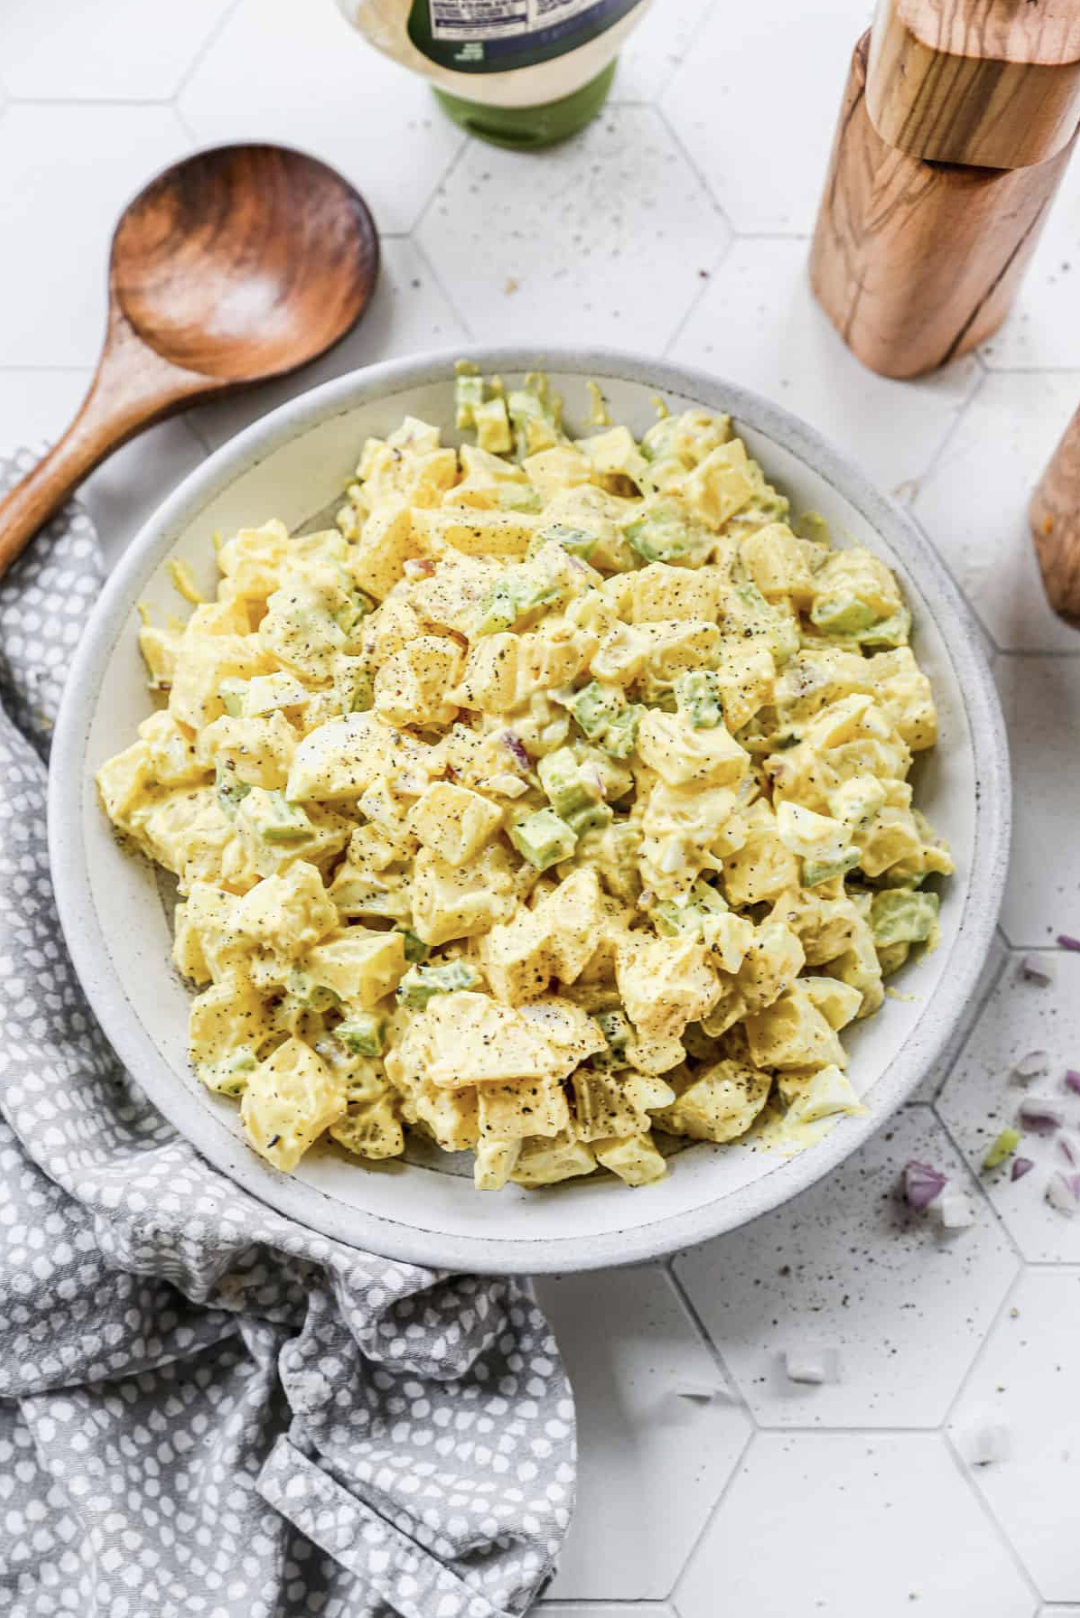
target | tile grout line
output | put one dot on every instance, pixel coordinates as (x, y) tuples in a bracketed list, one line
[(697, 1325), (429, 264), (203, 51), (990, 1517)]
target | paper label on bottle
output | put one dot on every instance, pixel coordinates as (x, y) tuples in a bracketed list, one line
[(495, 35)]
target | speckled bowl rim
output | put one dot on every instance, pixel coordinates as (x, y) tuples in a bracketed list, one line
[(493, 1255)]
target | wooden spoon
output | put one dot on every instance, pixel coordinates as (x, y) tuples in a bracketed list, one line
[(234, 266)]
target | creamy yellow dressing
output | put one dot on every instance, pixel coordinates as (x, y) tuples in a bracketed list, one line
[(553, 805)]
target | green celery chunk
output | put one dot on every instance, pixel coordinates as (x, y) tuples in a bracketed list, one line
[(415, 948), (313, 996), (361, 1033), (812, 525), (578, 541), (596, 817), (232, 693), (421, 983), (661, 535), (354, 686), (543, 839), (841, 614), (231, 791), (617, 1031), (902, 916), (1003, 1147), (703, 900), (278, 821), (606, 719), (565, 784), (508, 599), (468, 393), (818, 871), (697, 695), (229, 1077)]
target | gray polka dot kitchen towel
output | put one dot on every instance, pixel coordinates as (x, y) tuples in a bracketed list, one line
[(205, 1408)]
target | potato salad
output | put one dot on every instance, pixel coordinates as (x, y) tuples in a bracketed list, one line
[(552, 806)]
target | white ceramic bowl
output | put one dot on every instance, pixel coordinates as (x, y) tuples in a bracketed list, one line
[(290, 465)]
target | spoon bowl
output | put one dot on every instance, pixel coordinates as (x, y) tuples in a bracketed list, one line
[(234, 266)]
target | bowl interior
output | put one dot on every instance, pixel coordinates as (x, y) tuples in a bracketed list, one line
[(291, 466)]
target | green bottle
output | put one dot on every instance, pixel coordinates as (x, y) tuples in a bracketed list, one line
[(520, 73)]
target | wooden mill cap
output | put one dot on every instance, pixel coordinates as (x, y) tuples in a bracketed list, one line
[(994, 83)]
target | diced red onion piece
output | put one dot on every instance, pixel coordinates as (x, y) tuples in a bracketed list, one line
[(1032, 1066), (1020, 1167), (922, 1184), (1069, 1145), (1072, 1080), (1067, 941), (418, 567), (1041, 1114), (1037, 971), (516, 747), (1063, 1193)]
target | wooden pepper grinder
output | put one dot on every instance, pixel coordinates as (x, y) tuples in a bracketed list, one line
[(1055, 525), (957, 125)]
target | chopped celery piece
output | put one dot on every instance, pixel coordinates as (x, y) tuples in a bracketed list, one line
[(229, 1077), (841, 614), (231, 693), (361, 1033), (817, 871), (415, 948), (902, 916), (509, 597), (697, 695), (353, 685), (421, 983), (351, 617), (578, 541), (543, 839), (661, 535), (595, 817), (231, 791), (616, 1029), (703, 900), (620, 736), (314, 996), (468, 393), (606, 719), (518, 497), (566, 785), (280, 821), (1003, 1147), (812, 525)]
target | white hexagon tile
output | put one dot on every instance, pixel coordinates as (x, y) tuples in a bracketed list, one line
[(758, 323), (297, 73), (637, 235), (884, 1307), (973, 503), (121, 51), (659, 1432), (851, 1524), (1013, 1070), (934, 1469), (1023, 1393), (1041, 700), (766, 170), (67, 172)]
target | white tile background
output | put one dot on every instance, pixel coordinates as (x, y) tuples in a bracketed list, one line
[(678, 224)]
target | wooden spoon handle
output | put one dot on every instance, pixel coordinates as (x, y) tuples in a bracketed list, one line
[(1055, 525), (132, 388)]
